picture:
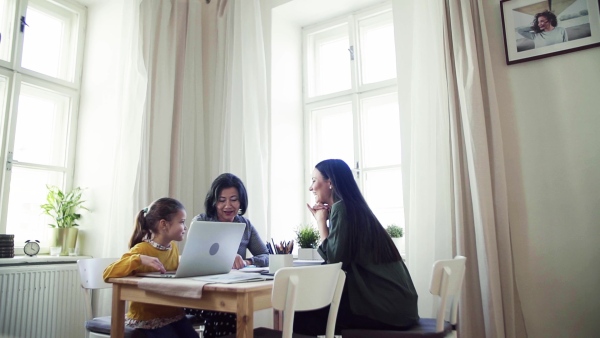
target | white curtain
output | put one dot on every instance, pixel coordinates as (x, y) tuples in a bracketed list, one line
[(236, 110), (131, 102), (160, 147), (165, 147), (453, 147), (132, 89), (172, 146)]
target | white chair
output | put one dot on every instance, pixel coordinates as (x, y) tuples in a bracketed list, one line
[(90, 273), (302, 289), (446, 283)]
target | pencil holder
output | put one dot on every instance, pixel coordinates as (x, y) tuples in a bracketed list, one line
[(277, 262)]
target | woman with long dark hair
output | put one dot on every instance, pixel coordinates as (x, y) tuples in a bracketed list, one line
[(379, 292)]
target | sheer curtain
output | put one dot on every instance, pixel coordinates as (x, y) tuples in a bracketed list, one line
[(237, 110), (161, 139), (131, 102), (453, 147), (172, 145)]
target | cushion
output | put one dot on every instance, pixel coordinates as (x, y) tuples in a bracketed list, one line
[(102, 325), (263, 332), (425, 328)]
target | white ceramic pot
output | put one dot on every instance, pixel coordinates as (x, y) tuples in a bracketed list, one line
[(308, 254)]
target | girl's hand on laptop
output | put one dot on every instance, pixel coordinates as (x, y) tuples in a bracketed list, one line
[(239, 262), (153, 262)]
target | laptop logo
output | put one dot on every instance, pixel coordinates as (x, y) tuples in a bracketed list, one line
[(214, 249)]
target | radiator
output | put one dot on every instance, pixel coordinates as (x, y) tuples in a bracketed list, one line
[(41, 301)]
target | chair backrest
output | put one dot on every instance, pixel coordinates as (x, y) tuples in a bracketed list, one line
[(308, 288), (90, 276), (91, 270), (446, 282)]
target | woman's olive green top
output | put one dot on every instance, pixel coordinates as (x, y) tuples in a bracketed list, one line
[(383, 292)]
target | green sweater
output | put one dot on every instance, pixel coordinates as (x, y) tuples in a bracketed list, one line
[(383, 292)]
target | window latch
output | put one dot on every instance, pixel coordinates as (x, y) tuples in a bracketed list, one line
[(10, 161), (351, 50), (23, 24)]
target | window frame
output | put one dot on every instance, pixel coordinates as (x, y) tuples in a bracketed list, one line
[(17, 76), (354, 95)]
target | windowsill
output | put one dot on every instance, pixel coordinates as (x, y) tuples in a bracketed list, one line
[(39, 259)]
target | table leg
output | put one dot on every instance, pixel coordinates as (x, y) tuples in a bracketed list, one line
[(117, 319), (245, 316), (277, 320)]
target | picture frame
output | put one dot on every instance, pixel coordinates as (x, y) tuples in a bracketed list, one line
[(577, 27)]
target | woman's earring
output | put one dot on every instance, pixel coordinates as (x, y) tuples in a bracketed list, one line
[(330, 187)]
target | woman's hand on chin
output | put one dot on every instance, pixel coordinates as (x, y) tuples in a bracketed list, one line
[(320, 211)]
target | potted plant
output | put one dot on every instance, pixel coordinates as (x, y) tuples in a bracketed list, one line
[(64, 209), (396, 232), (308, 240)]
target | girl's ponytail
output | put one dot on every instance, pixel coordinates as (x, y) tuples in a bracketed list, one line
[(141, 229)]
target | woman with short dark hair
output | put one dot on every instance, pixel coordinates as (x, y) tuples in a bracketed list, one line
[(227, 201)]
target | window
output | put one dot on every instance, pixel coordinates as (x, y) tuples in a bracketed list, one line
[(40, 67), (351, 103)]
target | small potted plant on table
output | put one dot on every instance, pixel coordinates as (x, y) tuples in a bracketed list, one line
[(64, 210), (308, 241)]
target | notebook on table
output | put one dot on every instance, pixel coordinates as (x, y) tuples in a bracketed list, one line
[(210, 249), (233, 277)]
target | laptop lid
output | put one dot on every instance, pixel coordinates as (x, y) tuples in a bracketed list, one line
[(210, 249)]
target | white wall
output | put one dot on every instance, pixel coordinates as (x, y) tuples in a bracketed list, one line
[(550, 119)]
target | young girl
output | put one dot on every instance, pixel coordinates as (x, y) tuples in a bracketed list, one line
[(152, 248)]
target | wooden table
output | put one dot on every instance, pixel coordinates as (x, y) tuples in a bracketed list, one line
[(241, 298)]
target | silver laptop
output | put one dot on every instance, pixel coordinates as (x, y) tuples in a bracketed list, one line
[(210, 249)]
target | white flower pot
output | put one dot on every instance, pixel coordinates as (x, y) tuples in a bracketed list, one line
[(308, 254)]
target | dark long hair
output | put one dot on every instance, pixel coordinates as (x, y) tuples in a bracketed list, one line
[(225, 181), (548, 15), (365, 232), (148, 218)]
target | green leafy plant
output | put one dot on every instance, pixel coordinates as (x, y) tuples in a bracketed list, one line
[(307, 236), (63, 208), (394, 231)]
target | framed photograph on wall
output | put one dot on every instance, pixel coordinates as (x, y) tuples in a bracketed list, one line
[(535, 29)]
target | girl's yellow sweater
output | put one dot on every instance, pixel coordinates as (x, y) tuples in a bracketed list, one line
[(130, 264)]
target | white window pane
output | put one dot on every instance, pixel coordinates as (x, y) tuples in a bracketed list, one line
[(329, 61), (42, 127), (380, 129), (334, 133), (7, 15), (383, 192), (49, 45), (377, 51), (27, 192)]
